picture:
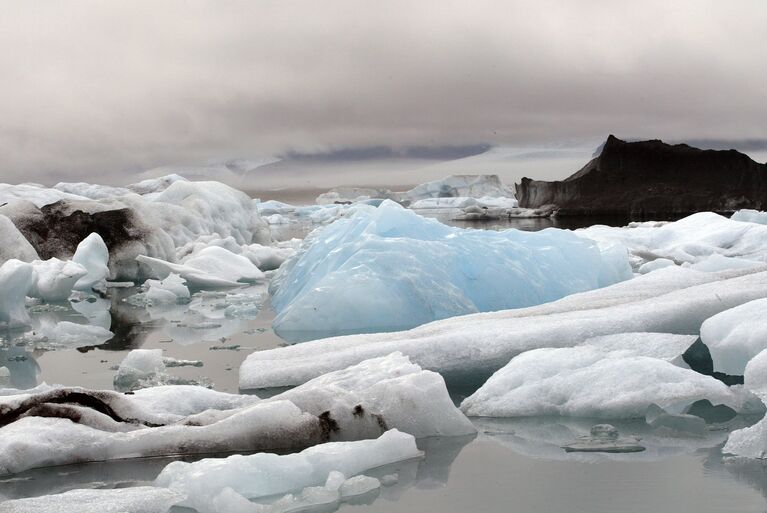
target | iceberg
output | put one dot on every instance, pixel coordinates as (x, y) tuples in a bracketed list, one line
[(751, 442), (16, 279), (211, 267), (55, 279), (137, 499), (673, 300), (171, 290), (263, 475), (92, 254), (55, 425), (15, 245), (688, 241), (143, 368), (750, 216), (736, 336), (387, 268), (588, 381)]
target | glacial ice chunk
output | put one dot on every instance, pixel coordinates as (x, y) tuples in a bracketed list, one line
[(15, 245), (387, 268), (138, 499), (55, 279), (262, 475), (92, 254), (751, 442), (210, 267), (750, 216), (736, 335), (16, 279), (673, 300), (587, 381), (143, 368)]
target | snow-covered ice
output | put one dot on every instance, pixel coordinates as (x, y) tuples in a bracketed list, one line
[(588, 381), (210, 267), (16, 279), (358, 403), (388, 268), (92, 254), (137, 499), (735, 336), (262, 475), (673, 300)]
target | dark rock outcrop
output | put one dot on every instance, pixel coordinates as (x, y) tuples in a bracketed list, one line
[(653, 179)]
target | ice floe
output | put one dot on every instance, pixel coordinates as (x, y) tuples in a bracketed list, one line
[(137, 499), (92, 254), (673, 300), (735, 336), (588, 381), (55, 425), (212, 485)]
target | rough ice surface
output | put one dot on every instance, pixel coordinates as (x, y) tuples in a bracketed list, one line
[(390, 388), (654, 265), (92, 254), (55, 279), (587, 381), (665, 346), (65, 334), (169, 212), (138, 499), (267, 258), (210, 267), (263, 475), (751, 442), (736, 335), (388, 268), (673, 300), (688, 241), (16, 279), (358, 403), (464, 202), (750, 216), (15, 245)]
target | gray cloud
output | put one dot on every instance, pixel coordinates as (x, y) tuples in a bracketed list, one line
[(97, 90)]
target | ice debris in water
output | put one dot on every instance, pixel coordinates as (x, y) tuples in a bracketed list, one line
[(604, 438), (138, 499), (736, 335), (673, 300), (209, 484), (16, 278), (92, 254), (55, 279), (143, 368), (211, 267), (587, 381), (360, 402), (170, 290), (388, 268)]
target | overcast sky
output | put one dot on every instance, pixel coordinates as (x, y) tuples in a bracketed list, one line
[(99, 89)]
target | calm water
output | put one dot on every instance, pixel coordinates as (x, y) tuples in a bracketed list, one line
[(511, 466)]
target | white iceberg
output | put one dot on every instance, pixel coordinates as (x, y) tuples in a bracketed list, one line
[(358, 403), (55, 279), (15, 245), (735, 336), (263, 475), (673, 300), (92, 254), (210, 267), (751, 442), (388, 268), (16, 279), (688, 241), (143, 368), (137, 499), (588, 381)]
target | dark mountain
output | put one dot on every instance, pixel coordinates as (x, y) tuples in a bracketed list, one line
[(653, 179)]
